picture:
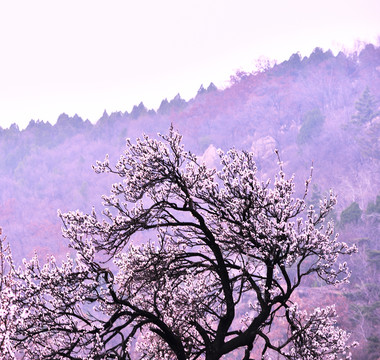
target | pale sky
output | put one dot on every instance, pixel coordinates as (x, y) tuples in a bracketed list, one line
[(87, 56)]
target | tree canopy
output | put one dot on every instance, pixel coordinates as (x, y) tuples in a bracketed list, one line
[(366, 108), (186, 262)]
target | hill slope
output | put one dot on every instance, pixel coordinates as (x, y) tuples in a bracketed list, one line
[(322, 109)]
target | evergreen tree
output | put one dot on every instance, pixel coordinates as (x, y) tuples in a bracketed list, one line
[(312, 124), (352, 214), (366, 108)]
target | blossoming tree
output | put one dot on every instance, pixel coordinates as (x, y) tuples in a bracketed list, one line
[(218, 244)]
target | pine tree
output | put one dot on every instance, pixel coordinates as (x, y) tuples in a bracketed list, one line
[(366, 108)]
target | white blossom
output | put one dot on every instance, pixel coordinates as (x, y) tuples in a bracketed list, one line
[(214, 242)]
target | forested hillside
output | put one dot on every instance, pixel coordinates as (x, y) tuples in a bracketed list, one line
[(321, 110)]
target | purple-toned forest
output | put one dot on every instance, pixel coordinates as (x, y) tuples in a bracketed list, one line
[(321, 111)]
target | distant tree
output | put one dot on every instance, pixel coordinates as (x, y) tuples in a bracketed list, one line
[(14, 129), (67, 123), (201, 90), (292, 66), (177, 102), (261, 65), (318, 56), (41, 133), (138, 111), (164, 107), (369, 56), (351, 215), (294, 61), (366, 108), (311, 127), (226, 243), (364, 130), (211, 87), (374, 207), (240, 76)]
